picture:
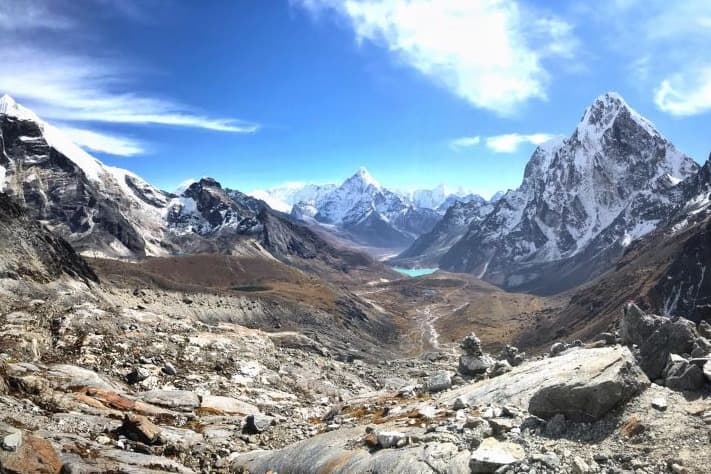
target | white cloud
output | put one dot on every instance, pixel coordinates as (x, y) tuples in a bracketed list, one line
[(464, 142), (489, 52), (76, 88), (685, 93), (44, 73), (509, 143), (104, 143), (665, 47)]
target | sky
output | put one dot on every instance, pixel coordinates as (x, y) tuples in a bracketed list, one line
[(261, 93)]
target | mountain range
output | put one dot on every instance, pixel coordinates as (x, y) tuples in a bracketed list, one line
[(364, 211), (584, 200)]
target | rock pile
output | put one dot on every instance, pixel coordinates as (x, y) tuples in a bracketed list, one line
[(474, 361), (672, 351)]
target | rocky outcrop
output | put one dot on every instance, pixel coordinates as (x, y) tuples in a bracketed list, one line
[(31, 251), (582, 384), (669, 350)]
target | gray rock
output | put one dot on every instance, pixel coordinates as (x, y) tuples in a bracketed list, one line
[(583, 396), (682, 375), (439, 381), (500, 368), (492, 455), (549, 459), (169, 369), (637, 326), (512, 355), (474, 364), (12, 441), (704, 329), (391, 439), (471, 345), (177, 399), (707, 371), (670, 337), (557, 348), (659, 403), (258, 423), (138, 374)]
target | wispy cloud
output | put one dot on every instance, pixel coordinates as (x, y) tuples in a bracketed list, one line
[(490, 53), (685, 94), (464, 142), (666, 48), (104, 143), (505, 143), (509, 142), (61, 85)]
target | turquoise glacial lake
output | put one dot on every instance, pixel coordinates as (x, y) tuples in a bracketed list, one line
[(415, 272)]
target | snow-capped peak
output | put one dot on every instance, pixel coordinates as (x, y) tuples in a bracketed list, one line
[(362, 176), (9, 107), (601, 114)]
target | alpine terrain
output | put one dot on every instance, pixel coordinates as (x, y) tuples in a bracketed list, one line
[(206, 331)]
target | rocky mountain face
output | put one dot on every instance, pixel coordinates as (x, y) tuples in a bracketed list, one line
[(427, 250), (31, 251), (100, 210), (110, 212), (582, 201)]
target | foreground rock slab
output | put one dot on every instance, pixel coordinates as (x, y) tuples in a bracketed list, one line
[(492, 455), (340, 452), (582, 384)]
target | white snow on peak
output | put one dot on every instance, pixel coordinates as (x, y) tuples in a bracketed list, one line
[(601, 114), (55, 138), (364, 177), (9, 107)]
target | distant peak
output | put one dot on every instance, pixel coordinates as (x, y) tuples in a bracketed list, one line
[(364, 177)]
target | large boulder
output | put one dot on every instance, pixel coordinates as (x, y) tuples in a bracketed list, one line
[(670, 337), (682, 375), (492, 455), (475, 364), (340, 451), (636, 325), (583, 383)]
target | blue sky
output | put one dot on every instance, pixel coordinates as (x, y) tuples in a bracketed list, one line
[(421, 92)]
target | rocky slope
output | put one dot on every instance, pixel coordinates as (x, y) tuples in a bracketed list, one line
[(31, 251), (581, 202)]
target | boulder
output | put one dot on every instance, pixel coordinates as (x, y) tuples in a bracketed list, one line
[(682, 375), (471, 345), (500, 368), (334, 452), (670, 337), (583, 369), (512, 355), (492, 455), (474, 364), (182, 400), (258, 423), (391, 439), (636, 325), (582, 397), (557, 348), (707, 370), (439, 381)]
